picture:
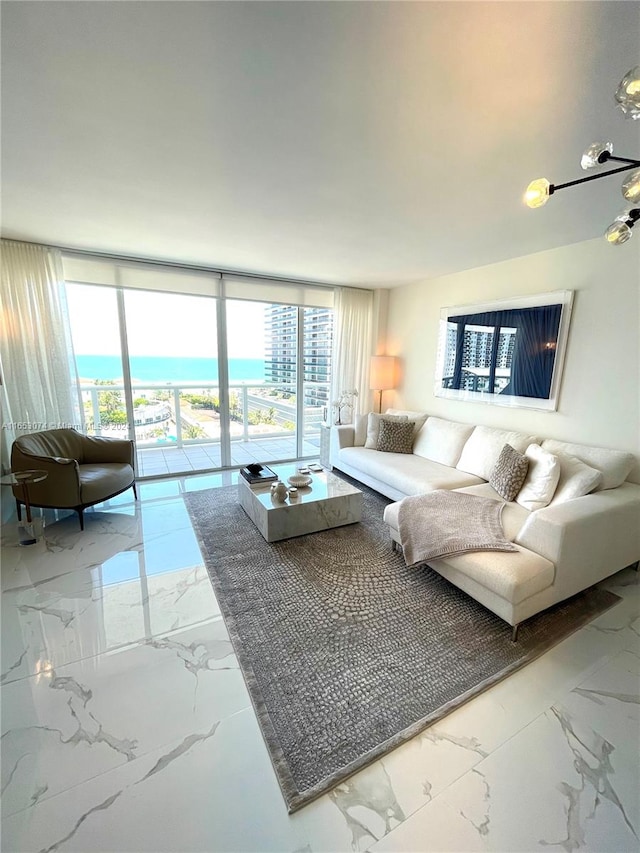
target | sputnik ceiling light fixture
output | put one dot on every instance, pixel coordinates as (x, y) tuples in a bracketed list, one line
[(628, 99)]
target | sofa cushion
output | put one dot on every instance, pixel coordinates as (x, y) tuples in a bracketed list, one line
[(98, 482), (576, 479), (395, 437), (511, 576), (406, 473), (418, 418), (360, 430), (442, 441), (513, 515), (541, 480), (615, 465), (484, 446), (509, 473), (373, 428)]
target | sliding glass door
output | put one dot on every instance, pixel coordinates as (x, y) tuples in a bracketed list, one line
[(172, 345), (95, 332), (200, 382), (279, 375)]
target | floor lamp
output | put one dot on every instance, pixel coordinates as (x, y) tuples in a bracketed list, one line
[(382, 373)]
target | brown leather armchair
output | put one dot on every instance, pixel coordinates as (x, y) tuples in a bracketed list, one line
[(82, 470)]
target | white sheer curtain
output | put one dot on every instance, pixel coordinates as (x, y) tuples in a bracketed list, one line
[(353, 345), (40, 387)]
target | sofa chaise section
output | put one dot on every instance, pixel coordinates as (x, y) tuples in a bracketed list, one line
[(562, 548)]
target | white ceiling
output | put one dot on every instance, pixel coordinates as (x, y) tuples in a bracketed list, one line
[(369, 142)]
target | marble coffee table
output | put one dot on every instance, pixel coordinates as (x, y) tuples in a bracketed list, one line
[(326, 502)]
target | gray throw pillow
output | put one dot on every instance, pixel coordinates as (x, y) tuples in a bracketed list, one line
[(396, 437), (509, 473), (373, 428)]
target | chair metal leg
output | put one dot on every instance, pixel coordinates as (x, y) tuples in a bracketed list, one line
[(19, 509), (135, 491), (80, 511), (514, 633)]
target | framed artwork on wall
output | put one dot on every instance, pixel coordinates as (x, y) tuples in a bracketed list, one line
[(509, 352)]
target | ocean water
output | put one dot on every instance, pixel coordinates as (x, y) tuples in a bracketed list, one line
[(149, 368)]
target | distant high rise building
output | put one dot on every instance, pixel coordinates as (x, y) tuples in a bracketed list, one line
[(477, 354), (281, 346)]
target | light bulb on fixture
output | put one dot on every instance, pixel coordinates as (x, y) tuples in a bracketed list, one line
[(631, 187), (628, 93), (618, 233), (538, 192), (592, 157), (620, 229)]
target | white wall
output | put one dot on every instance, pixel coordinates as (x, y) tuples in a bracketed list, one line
[(599, 396)]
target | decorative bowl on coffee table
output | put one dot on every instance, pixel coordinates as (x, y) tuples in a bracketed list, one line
[(299, 480)]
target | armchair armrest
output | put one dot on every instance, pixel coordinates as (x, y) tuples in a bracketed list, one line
[(62, 486), (98, 449), (589, 538)]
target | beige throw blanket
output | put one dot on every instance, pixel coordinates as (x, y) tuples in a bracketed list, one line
[(444, 523)]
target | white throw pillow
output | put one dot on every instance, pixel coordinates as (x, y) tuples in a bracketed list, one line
[(615, 465), (410, 415), (542, 478), (442, 441), (484, 446), (576, 479), (360, 435), (373, 427)]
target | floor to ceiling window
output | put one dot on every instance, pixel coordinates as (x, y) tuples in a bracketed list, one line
[(95, 331), (173, 364), (198, 380)]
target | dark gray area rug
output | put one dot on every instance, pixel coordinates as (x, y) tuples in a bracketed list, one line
[(345, 651)]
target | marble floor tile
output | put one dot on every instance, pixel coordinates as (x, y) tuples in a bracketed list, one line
[(569, 780), (216, 788), (99, 610), (126, 724), (69, 724)]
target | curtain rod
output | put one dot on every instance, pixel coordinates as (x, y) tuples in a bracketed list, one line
[(183, 266)]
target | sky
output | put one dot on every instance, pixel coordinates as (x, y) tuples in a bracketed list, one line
[(161, 324)]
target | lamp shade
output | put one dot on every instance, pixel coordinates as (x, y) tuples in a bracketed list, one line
[(382, 372)]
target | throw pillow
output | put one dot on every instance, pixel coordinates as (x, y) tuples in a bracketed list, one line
[(395, 437), (541, 480), (418, 418), (442, 441), (360, 426), (615, 465), (373, 428), (509, 473), (576, 479), (484, 445)]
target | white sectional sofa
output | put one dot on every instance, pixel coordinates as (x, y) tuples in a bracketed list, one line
[(562, 548)]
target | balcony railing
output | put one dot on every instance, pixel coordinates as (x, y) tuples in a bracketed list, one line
[(188, 414)]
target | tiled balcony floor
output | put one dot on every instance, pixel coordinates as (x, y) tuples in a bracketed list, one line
[(159, 461)]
